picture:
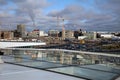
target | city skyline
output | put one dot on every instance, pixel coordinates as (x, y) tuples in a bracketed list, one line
[(91, 15)]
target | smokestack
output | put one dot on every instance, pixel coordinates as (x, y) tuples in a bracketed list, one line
[(32, 15), (63, 30)]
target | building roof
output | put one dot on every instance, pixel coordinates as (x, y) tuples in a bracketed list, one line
[(34, 70), (13, 72)]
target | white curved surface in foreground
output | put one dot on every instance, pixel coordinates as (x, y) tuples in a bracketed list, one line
[(19, 44)]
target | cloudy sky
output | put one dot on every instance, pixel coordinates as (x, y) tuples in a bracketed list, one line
[(90, 15)]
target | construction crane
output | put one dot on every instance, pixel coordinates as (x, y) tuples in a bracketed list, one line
[(57, 24)]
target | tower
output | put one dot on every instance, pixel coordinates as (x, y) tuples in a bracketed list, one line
[(63, 31), (21, 30)]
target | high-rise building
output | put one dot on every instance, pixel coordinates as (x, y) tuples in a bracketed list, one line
[(21, 30)]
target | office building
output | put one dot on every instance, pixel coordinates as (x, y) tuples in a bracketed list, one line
[(6, 35), (53, 33), (36, 33), (21, 30), (91, 35)]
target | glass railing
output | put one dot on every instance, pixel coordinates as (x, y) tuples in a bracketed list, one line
[(87, 66)]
